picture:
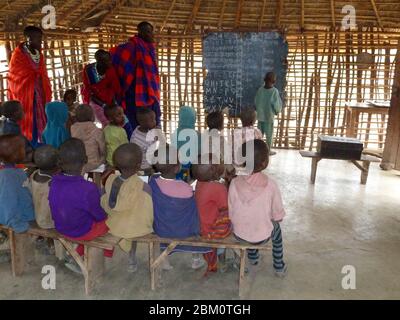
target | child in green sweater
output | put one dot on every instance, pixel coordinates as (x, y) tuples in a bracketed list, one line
[(268, 104)]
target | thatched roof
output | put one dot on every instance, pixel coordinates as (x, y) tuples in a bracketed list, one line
[(188, 16)]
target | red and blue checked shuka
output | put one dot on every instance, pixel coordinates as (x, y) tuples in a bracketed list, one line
[(136, 67), (29, 83)]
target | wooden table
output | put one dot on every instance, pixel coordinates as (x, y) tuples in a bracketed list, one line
[(352, 113), (362, 164)]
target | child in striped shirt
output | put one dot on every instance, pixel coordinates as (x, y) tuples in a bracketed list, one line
[(146, 134)]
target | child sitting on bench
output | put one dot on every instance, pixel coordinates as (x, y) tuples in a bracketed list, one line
[(127, 201), (11, 113), (75, 202), (46, 159), (212, 203), (256, 208), (175, 211), (248, 132), (16, 209), (93, 137)]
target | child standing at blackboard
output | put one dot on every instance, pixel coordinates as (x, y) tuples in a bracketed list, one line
[(268, 104)]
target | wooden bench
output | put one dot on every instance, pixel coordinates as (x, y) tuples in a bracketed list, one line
[(92, 263), (230, 242), (362, 164)]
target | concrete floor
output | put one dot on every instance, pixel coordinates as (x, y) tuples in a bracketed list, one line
[(334, 223)]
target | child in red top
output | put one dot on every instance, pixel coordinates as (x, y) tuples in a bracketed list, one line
[(212, 204)]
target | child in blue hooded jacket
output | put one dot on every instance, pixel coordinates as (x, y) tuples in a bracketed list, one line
[(56, 131)]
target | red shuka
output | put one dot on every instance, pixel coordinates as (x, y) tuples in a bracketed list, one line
[(21, 85)]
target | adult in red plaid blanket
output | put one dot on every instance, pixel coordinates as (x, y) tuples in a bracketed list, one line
[(136, 67)]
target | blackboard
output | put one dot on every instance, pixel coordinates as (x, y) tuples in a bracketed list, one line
[(236, 65)]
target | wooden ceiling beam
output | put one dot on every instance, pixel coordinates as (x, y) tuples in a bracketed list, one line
[(302, 15), (221, 15), (279, 13), (238, 13), (73, 10), (167, 16), (333, 17), (117, 4), (260, 22), (192, 17), (87, 14), (378, 17)]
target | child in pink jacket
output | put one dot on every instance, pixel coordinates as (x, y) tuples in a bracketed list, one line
[(255, 207)]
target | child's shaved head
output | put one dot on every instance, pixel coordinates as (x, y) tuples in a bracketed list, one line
[(146, 118), (128, 157), (12, 149), (270, 77), (215, 120), (248, 116), (208, 168), (72, 156), (46, 157), (167, 160), (12, 109), (84, 113), (260, 155)]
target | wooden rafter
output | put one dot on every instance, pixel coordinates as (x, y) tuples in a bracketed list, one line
[(333, 13), (302, 15), (93, 9), (221, 15), (279, 13), (193, 15), (239, 13), (262, 14), (378, 17), (70, 12), (27, 12), (115, 6), (167, 16)]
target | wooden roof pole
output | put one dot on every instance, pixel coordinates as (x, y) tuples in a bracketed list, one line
[(221, 16), (302, 15), (72, 11), (193, 15), (167, 16), (333, 13), (239, 13), (87, 14), (262, 15), (377, 14), (391, 152), (279, 13), (115, 6)]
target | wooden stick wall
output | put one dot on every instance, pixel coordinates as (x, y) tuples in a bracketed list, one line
[(324, 73), (65, 55)]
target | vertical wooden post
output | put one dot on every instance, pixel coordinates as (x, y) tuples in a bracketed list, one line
[(391, 152)]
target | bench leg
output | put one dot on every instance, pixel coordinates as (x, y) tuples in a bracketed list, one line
[(314, 164), (364, 173), (59, 249), (94, 263), (154, 268), (97, 179), (241, 271), (21, 251)]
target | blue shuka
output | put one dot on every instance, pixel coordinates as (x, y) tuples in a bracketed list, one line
[(175, 218), (16, 205)]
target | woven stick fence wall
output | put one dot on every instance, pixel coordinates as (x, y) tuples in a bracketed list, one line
[(65, 55), (323, 75)]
